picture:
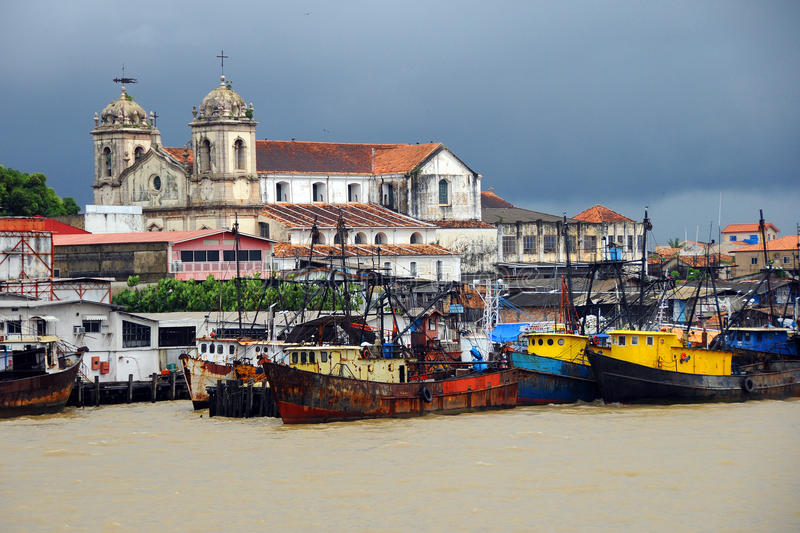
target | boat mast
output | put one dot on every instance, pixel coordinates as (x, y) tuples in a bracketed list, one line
[(238, 273), (646, 226), (571, 316), (767, 266)]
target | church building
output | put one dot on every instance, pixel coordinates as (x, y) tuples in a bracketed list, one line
[(226, 170), (225, 173)]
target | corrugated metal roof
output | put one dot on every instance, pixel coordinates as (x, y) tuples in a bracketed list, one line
[(510, 215), (359, 250), (462, 224), (327, 215), (133, 237)]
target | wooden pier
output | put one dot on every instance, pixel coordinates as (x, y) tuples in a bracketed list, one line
[(159, 387), (237, 399)]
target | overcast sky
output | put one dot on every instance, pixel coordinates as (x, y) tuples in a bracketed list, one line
[(559, 105)]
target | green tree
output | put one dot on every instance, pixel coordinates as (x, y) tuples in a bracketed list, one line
[(214, 295), (674, 242), (24, 194)]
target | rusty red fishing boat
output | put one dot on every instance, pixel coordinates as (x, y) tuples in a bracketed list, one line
[(310, 397), (36, 380)]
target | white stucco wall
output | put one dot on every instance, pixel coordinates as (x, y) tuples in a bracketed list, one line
[(113, 219), (477, 247)]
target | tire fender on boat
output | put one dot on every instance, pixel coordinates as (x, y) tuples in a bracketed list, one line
[(426, 394), (748, 385)]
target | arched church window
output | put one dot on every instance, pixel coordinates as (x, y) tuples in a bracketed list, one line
[(238, 147), (353, 192), (107, 160), (205, 155), (380, 238), (318, 192), (444, 193), (360, 238), (138, 153), (319, 238), (282, 192), (416, 238)]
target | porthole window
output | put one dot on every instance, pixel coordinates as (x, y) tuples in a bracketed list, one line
[(561, 342), (157, 183), (541, 342), (549, 342)]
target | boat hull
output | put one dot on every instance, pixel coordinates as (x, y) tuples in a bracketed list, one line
[(40, 394), (201, 374), (625, 382), (546, 380), (309, 397)]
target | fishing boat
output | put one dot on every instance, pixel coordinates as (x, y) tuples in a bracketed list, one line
[(653, 366), (35, 378), (760, 342), (310, 397), (223, 358), (554, 369)]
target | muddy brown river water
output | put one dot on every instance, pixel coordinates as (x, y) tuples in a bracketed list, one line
[(161, 467)]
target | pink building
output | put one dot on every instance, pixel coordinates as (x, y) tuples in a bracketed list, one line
[(154, 255)]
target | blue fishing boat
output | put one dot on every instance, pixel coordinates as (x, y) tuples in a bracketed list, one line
[(555, 367)]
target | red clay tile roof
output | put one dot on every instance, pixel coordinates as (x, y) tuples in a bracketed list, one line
[(285, 249), (327, 215), (599, 213), (789, 242), (669, 252), (137, 237), (490, 199), (177, 154), (700, 260), (748, 228), (340, 158), (462, 224)]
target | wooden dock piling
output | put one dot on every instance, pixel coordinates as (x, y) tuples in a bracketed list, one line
[(236, 399), (156, 388)]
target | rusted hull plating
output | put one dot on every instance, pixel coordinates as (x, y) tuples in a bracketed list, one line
[(46, 393), (309, 397), (625, 382), (200, 374)]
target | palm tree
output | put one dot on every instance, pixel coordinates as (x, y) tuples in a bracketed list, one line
[(674, 243)]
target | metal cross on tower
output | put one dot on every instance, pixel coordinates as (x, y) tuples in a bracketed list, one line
[(222, 57)]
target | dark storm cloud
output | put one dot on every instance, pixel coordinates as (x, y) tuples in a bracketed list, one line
[(560, 105)]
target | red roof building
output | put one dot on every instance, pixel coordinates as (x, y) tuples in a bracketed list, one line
[(599, 213)]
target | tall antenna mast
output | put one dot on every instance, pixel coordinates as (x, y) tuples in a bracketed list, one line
[(122, 79)]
